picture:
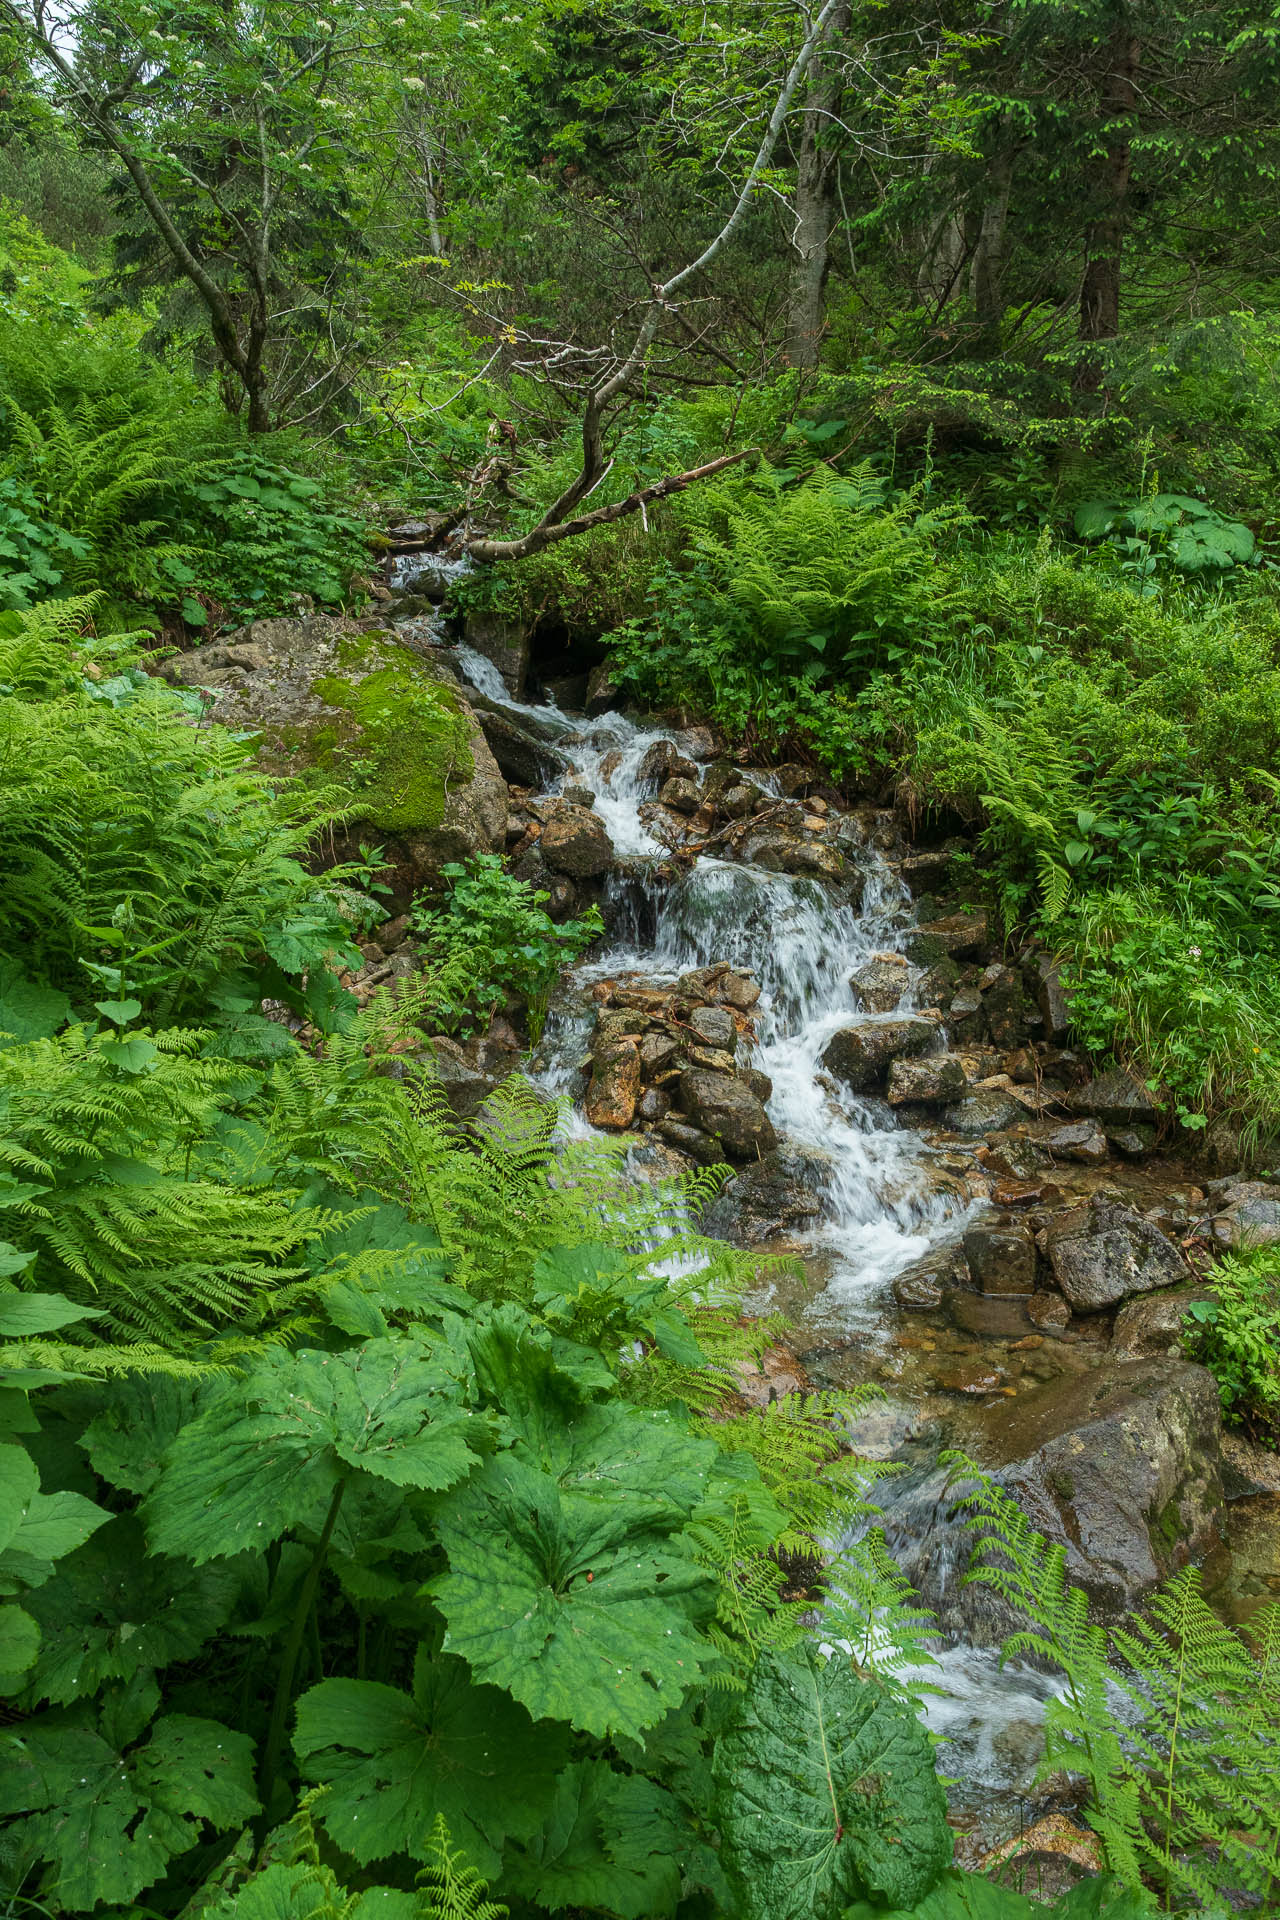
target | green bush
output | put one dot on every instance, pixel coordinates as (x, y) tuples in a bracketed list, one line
[(1234, 1335), (492, 940)]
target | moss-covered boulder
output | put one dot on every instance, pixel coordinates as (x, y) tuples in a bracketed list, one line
[(345, 704)]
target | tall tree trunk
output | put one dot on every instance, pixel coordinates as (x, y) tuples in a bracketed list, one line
[(987, 272), (1108, 183), (814, 205)]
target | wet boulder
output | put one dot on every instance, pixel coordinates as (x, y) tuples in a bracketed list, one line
[(934, 1081), (1004, 1006), (961, 936), (575, 841), (720, 985), (503, 642), (861, 1055), (1120, 1465), (1079, 1140), (723, 1107), (778, 850), (604, 690), (1001, 1255), (779, 1194), (880, 983), (337, 701), (714, 1027), (690, 1140), (681, 795), (1251, 1216), (1123, 1466), (522, 758), (983, 1110), (663, 762), (463, 1084), (1151, 1323), (1103, 1253)]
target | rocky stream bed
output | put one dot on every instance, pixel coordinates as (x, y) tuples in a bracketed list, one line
[(1000, 1241)]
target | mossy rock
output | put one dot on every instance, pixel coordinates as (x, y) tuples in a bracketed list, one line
[(356, 710)]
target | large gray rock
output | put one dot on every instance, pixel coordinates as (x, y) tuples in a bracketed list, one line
[(1120, 1465), (1102, 1253), (346, 704), (962, 935), (1001, 1254), (522, 758), (575, 841), (1123, 1465), (714, 1027), (931, 1082), (1151, 1323), (505, 643), (727, 1110), (779, 851), (780, 1194), (984, 1110), (861, 1055)]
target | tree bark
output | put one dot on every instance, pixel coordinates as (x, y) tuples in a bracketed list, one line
[(1108, 182), (814, 205), (987, 271)]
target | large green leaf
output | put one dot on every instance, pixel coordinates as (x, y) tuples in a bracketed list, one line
[(393, 1762), (270, 1449), (576, 1602), (612, 1844), (138, 1420), (827, 1792), (37, 1529), (112, 1610), (28, 1010), (109, 1817)]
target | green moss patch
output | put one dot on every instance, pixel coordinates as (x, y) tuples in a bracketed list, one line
[(399, 746)]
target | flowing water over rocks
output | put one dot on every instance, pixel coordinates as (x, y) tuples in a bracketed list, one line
[(903, 1119)]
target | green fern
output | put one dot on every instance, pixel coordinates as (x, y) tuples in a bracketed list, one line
[(449, 1888), (1172, 1718)]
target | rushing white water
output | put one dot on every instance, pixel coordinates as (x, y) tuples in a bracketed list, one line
[(801, 942)]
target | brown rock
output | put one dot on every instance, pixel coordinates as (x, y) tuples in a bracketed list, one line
[(1048, 1310), (861, 1055), (575, 841), (727, 1110), (614, 1087)]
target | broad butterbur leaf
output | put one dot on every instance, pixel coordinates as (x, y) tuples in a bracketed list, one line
[(827, 1792), (270, 1449), (579, 1602), (613, 1843), (108, 1817), (394, 1761), (112, 1610)]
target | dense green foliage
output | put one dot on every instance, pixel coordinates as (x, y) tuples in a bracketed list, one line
[(380, 1532), (492, 941), (1234, 1335)]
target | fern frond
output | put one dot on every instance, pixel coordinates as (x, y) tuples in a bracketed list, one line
[(449, 1887)]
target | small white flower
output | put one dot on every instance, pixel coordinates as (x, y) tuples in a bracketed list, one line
[(1194, 952)]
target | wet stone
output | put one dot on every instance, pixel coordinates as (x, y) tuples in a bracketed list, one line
[(714, 1027), (1080, 1140), (861, 1056), (691, 1140), (880, 983), (930, 1082), (1002, 1256), (1048, 1310)]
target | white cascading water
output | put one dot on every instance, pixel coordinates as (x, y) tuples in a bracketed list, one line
[(801, 944)]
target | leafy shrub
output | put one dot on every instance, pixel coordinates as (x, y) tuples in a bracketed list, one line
[(493, 940), (33, 552), (263, 534), (1168, 529), (1234, 1335)]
